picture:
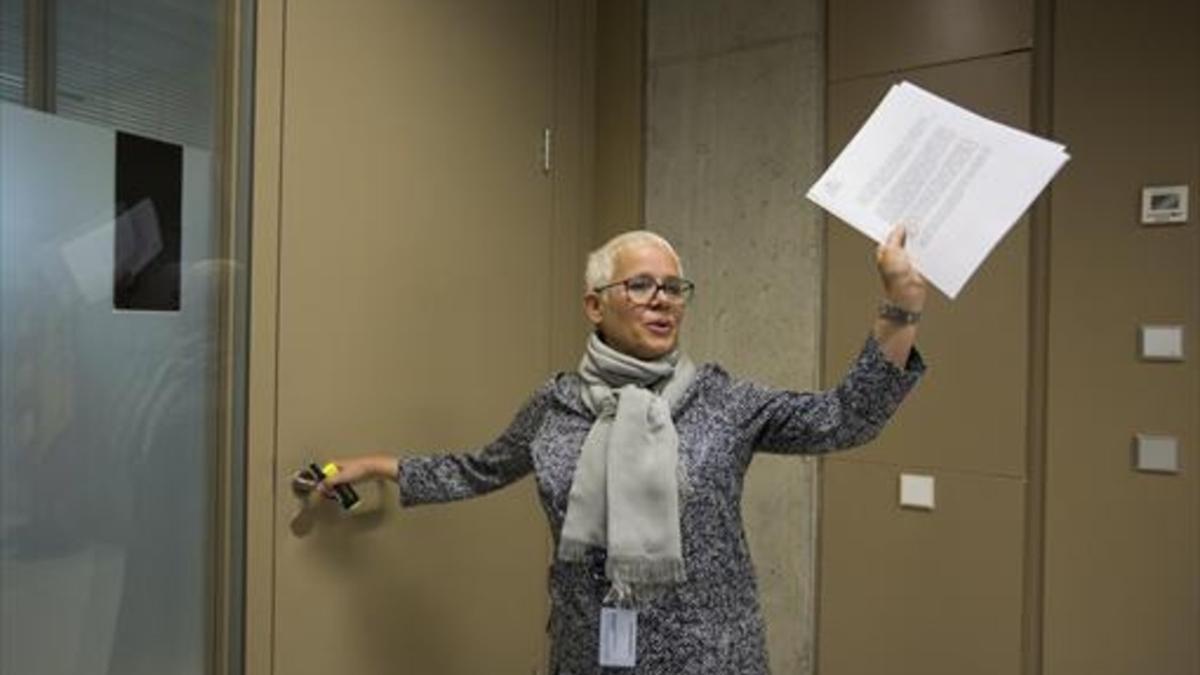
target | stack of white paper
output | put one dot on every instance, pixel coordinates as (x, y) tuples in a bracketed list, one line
[(956, 180)]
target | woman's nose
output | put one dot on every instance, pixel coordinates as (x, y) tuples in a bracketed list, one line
[(658, 298)]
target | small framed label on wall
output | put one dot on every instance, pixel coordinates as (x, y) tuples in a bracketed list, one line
[(1164, 204)]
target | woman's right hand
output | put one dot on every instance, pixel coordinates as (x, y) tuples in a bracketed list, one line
[(361, 468)]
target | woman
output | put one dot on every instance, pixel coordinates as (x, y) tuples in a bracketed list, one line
[(640, 456)]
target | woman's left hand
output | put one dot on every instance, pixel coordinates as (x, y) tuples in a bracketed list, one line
[(903, 285)]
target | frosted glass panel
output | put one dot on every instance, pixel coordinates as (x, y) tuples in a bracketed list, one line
[(107, 418)]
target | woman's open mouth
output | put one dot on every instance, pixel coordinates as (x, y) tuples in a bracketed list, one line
[(662, 327)]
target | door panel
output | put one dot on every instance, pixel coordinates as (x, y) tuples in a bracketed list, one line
[(414, 314)]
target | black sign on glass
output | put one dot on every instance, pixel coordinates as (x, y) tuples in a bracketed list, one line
[(149, 204)]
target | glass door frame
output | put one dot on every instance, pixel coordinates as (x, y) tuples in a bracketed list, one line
[(234, 145)]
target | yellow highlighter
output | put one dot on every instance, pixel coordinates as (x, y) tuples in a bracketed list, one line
[(345, 493)]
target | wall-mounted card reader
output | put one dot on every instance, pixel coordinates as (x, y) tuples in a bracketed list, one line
[(1164, 204)]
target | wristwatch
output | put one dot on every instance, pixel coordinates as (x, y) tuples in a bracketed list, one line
[(898, 314)]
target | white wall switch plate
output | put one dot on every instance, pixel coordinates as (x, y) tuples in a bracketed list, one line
[(1161, 343), (1156, 453), (916, 492)]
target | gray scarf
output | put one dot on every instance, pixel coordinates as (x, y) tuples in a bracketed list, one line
[(625, 493)]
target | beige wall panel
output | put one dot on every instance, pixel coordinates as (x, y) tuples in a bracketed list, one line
[(868, 37), (620, 82), (1122, 548), (414, 314), (1121, 570), (573, 174), (908, 592), (977, 345)]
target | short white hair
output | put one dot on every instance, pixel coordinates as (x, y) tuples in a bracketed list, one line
[(600, 262)]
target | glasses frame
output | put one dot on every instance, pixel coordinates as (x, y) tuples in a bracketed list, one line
[(689, 289)]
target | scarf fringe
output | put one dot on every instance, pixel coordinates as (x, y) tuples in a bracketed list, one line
[(570, 550), (630, 571), (636, 571)]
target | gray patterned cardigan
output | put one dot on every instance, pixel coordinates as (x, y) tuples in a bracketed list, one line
[(710, 624)]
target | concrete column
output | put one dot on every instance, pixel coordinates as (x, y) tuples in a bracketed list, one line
[(734, 137)]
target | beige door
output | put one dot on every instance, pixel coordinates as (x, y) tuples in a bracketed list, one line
[(414, 302)]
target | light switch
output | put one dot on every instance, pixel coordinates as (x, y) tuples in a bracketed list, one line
[(1162, 343), (916, 491), (1157, 453)]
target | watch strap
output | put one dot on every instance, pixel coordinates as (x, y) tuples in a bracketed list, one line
[(896, 313)]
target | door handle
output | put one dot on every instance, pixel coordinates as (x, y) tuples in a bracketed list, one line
[(304, 483)]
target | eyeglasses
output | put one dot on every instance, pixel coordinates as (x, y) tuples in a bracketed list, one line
[(641, 289)]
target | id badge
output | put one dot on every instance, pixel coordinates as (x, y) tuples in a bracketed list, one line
[(618, 637)]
